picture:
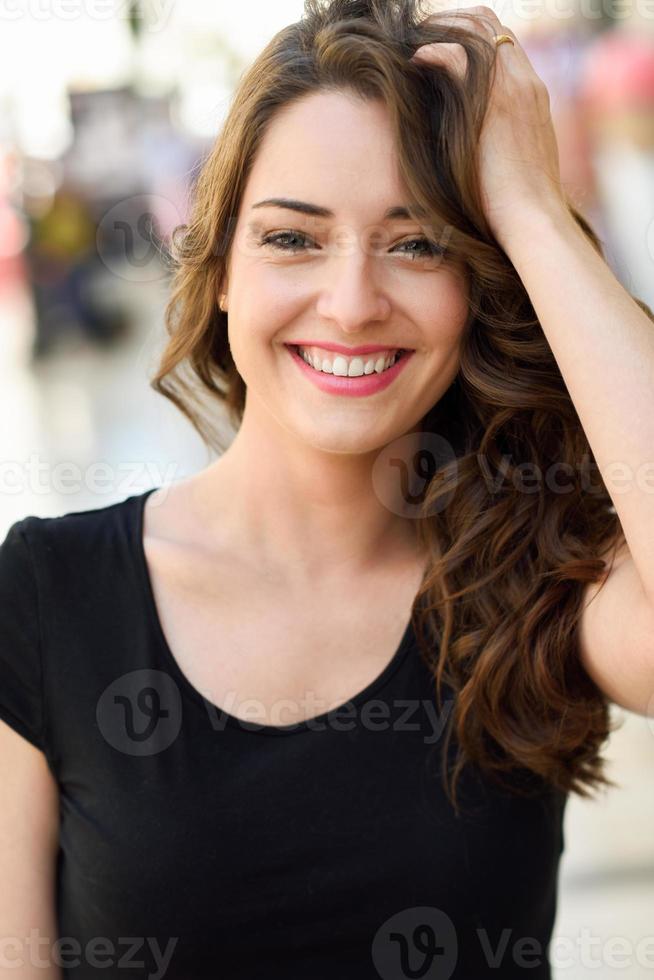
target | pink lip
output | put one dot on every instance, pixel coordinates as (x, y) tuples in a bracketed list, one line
[(367, 384), (339, 349)]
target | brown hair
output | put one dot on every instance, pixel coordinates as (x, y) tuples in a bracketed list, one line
[(497, 614)]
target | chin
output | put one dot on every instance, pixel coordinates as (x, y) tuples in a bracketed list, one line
[(355, 442)]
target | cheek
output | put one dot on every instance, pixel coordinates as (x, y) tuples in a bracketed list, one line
[(444, 311), (271, 299), (254, 327)]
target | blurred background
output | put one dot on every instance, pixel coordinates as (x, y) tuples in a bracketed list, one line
[(107, 108)]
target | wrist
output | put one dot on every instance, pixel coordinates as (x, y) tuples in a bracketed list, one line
[(534, 224)]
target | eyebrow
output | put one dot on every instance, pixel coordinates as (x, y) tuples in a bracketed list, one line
[(392, 214)]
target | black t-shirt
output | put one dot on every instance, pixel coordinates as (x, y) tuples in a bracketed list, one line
[(194, 845)]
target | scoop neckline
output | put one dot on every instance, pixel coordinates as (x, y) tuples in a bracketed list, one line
[(227, 719)]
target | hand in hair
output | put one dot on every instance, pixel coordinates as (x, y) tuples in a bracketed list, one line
[(518, 151)]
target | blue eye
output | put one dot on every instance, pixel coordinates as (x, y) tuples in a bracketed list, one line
[(283, 242), (432, 250), (280, 240)]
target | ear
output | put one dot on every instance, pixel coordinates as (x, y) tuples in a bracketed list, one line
[(222, 293)]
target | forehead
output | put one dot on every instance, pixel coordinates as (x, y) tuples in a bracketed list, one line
[(331, 148)]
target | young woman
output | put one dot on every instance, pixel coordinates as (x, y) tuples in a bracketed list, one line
[(316, 711)]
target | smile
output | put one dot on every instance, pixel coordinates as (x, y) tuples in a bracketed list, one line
[(356, 376), (348, 367)]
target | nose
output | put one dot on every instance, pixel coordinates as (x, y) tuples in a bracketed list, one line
[(353, 298)]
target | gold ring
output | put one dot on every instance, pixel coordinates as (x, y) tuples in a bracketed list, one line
[(501, 38)]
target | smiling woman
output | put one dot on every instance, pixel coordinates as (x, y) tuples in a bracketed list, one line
[(354, 266), (387, 533), (342, 202)]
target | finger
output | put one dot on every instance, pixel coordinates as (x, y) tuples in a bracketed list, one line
[(450, 55), (481, 19)]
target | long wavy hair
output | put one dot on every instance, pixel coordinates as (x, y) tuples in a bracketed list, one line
[(497, 613)]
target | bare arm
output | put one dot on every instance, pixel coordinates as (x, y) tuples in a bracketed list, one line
[(617, 636), (29, 835)]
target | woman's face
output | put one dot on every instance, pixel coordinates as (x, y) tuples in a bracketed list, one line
[(339, 272)]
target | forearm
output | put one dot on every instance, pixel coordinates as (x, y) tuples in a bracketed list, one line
[(604, 346)]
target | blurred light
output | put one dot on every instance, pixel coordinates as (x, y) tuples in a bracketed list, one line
[(201, 110), (40, 180), (14, 232), (249, 31), (42, 123), (86, 52)]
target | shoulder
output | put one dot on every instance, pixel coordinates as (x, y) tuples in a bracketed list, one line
[(75, 528), (65, 582), (63, 558)]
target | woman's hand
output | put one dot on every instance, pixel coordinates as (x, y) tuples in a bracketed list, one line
[(518, 151)]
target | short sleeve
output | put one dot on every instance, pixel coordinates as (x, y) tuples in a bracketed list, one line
[(21, 702)]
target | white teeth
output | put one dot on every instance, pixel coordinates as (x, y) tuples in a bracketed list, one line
[(340, 367), (344, 367)]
